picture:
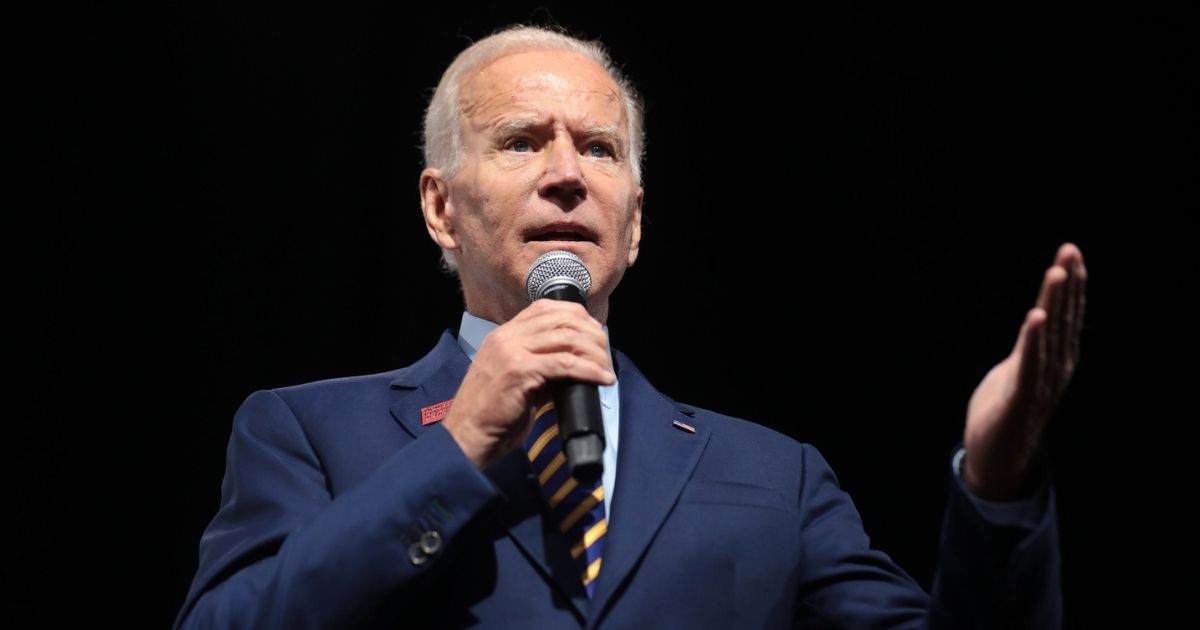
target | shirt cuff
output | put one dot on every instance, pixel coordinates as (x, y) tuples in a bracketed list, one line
[(1024, 512)]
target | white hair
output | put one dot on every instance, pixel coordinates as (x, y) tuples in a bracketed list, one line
[(443, 118)]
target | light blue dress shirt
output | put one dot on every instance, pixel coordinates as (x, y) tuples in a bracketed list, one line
[(474, 329)]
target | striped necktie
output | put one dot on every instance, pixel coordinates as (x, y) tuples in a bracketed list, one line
[(577, 508)]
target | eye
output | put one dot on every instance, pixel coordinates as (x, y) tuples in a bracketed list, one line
[(520, 145), (599, 151)]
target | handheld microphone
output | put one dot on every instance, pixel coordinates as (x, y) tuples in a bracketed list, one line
[(561, 275)]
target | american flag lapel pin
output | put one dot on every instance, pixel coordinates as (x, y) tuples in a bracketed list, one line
[(684, 427)]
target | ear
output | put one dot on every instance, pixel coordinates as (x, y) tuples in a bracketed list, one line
[(635, 231), (438, 211)]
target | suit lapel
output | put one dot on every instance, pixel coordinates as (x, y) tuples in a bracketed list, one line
[(435, 379), (654, 462), (431, 380)]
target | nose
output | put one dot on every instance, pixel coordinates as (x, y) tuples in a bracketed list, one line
[(562, 180)]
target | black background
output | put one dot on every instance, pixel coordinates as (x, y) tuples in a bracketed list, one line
[(848, 211)]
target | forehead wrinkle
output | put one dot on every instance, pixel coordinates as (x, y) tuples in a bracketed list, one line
[(474, 100), (522, 96), (490, 98), (475, 96)]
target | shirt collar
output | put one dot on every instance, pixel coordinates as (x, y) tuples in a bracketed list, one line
[(472, 331)]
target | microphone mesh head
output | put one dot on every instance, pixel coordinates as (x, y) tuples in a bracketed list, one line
[(558, 266)]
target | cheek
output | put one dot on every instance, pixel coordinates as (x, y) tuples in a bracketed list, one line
[(622, 209), (479, 212), (498, 204)]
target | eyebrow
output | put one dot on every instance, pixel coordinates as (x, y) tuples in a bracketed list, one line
[(521, 125), (518, 125), (607, 132)]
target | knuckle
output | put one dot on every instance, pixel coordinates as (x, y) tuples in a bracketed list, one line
[(498, 337), (567, 361)]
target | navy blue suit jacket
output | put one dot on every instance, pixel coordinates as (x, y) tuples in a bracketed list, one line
[(330, 487)]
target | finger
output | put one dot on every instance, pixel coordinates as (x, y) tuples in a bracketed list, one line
[(549, 327), (569, 337), (561, 316), (547, 304), (1054, 275), (564, 365), (1056, 331), (561, 340), (1043, 343), (1070, 332), (1080, 298), (1070, 258), (546, 322), (1031, 361), (1073, 317), (547, 314), (1043, 298), (1067, 255)]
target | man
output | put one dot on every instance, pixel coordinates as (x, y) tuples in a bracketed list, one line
[(429, 496)]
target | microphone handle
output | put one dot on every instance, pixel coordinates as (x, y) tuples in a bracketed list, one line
[(581, 428), (580, 424)]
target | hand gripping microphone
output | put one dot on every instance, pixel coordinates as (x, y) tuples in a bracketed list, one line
[(561, 275)]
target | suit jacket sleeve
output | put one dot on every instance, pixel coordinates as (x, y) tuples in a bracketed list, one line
[(281, 553), (988, 576), (993, 576)]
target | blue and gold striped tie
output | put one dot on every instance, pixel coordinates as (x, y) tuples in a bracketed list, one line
[(577, 508)]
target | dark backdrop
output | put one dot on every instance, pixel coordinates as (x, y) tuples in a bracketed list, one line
[(848, 213)]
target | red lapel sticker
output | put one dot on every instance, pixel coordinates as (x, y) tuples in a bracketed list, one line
[(434, 413)]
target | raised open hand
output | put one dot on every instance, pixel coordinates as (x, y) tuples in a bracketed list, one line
[(1010, 407)]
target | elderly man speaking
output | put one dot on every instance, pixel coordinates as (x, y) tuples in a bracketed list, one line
[(452, 493)]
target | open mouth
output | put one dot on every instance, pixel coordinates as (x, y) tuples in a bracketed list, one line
[(559, 236), (562, 232)]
